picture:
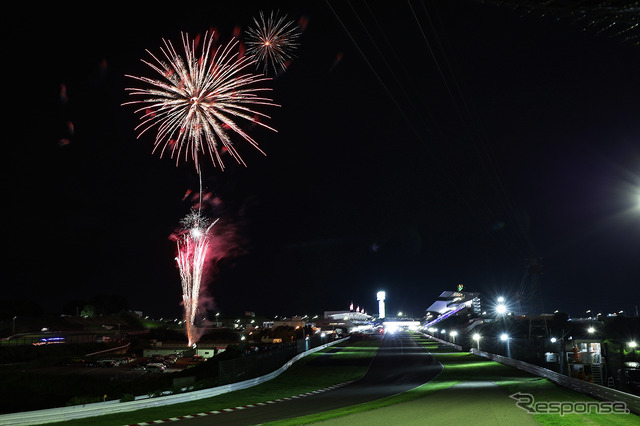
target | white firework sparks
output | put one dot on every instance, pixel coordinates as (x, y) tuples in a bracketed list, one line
[(193, 245), (272, 42), (199, 100)]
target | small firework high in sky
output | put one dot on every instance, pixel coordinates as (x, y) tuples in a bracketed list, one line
[(193, 244), (198, 100), (272, 42)]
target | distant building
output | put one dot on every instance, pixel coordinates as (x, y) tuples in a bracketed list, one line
[(381, 295), (353, 316), (205, 350), (289, 322), (342, 321)]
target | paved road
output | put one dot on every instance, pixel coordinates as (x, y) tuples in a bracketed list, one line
[(468, 403), (400, 364)]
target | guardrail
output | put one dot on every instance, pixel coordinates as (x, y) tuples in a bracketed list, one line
[(453, 345), (119, 348), (115, 406), (596, 391)]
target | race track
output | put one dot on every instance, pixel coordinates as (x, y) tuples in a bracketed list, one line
[(400, 364)]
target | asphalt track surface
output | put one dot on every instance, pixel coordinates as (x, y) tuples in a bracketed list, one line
[(480, 403), (400, 364)]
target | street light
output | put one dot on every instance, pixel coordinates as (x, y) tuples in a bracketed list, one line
[(632, 344), (591, 330), (505, 338), (501, 307), (477, 338), (554, 340)]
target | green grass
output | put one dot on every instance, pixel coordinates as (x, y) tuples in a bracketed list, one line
[(545, 390), (462, 367), (308, 374)]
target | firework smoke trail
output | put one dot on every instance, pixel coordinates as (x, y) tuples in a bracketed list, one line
[(193, 244), (199, 100), (272, 42)]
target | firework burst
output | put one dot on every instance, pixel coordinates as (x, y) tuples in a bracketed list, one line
[(272, 42), (193, 244), (199, 100)]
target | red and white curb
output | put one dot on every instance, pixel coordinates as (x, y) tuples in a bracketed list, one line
[(242, 407)]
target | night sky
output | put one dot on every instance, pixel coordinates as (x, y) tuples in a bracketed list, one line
[(419, 146)]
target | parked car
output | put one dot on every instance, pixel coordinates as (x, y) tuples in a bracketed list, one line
[(156, 367)]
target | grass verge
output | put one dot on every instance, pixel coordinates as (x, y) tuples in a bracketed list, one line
[(312, 372)]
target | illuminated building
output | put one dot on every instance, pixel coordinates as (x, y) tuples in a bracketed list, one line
[(381, 296), (452, 302)]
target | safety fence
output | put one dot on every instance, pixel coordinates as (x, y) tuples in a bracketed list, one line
[(117, 350), (141, 402)]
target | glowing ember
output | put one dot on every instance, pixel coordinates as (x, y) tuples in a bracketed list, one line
[(272, 42)]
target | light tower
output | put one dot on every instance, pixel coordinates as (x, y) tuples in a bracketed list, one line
[(381, 296)]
